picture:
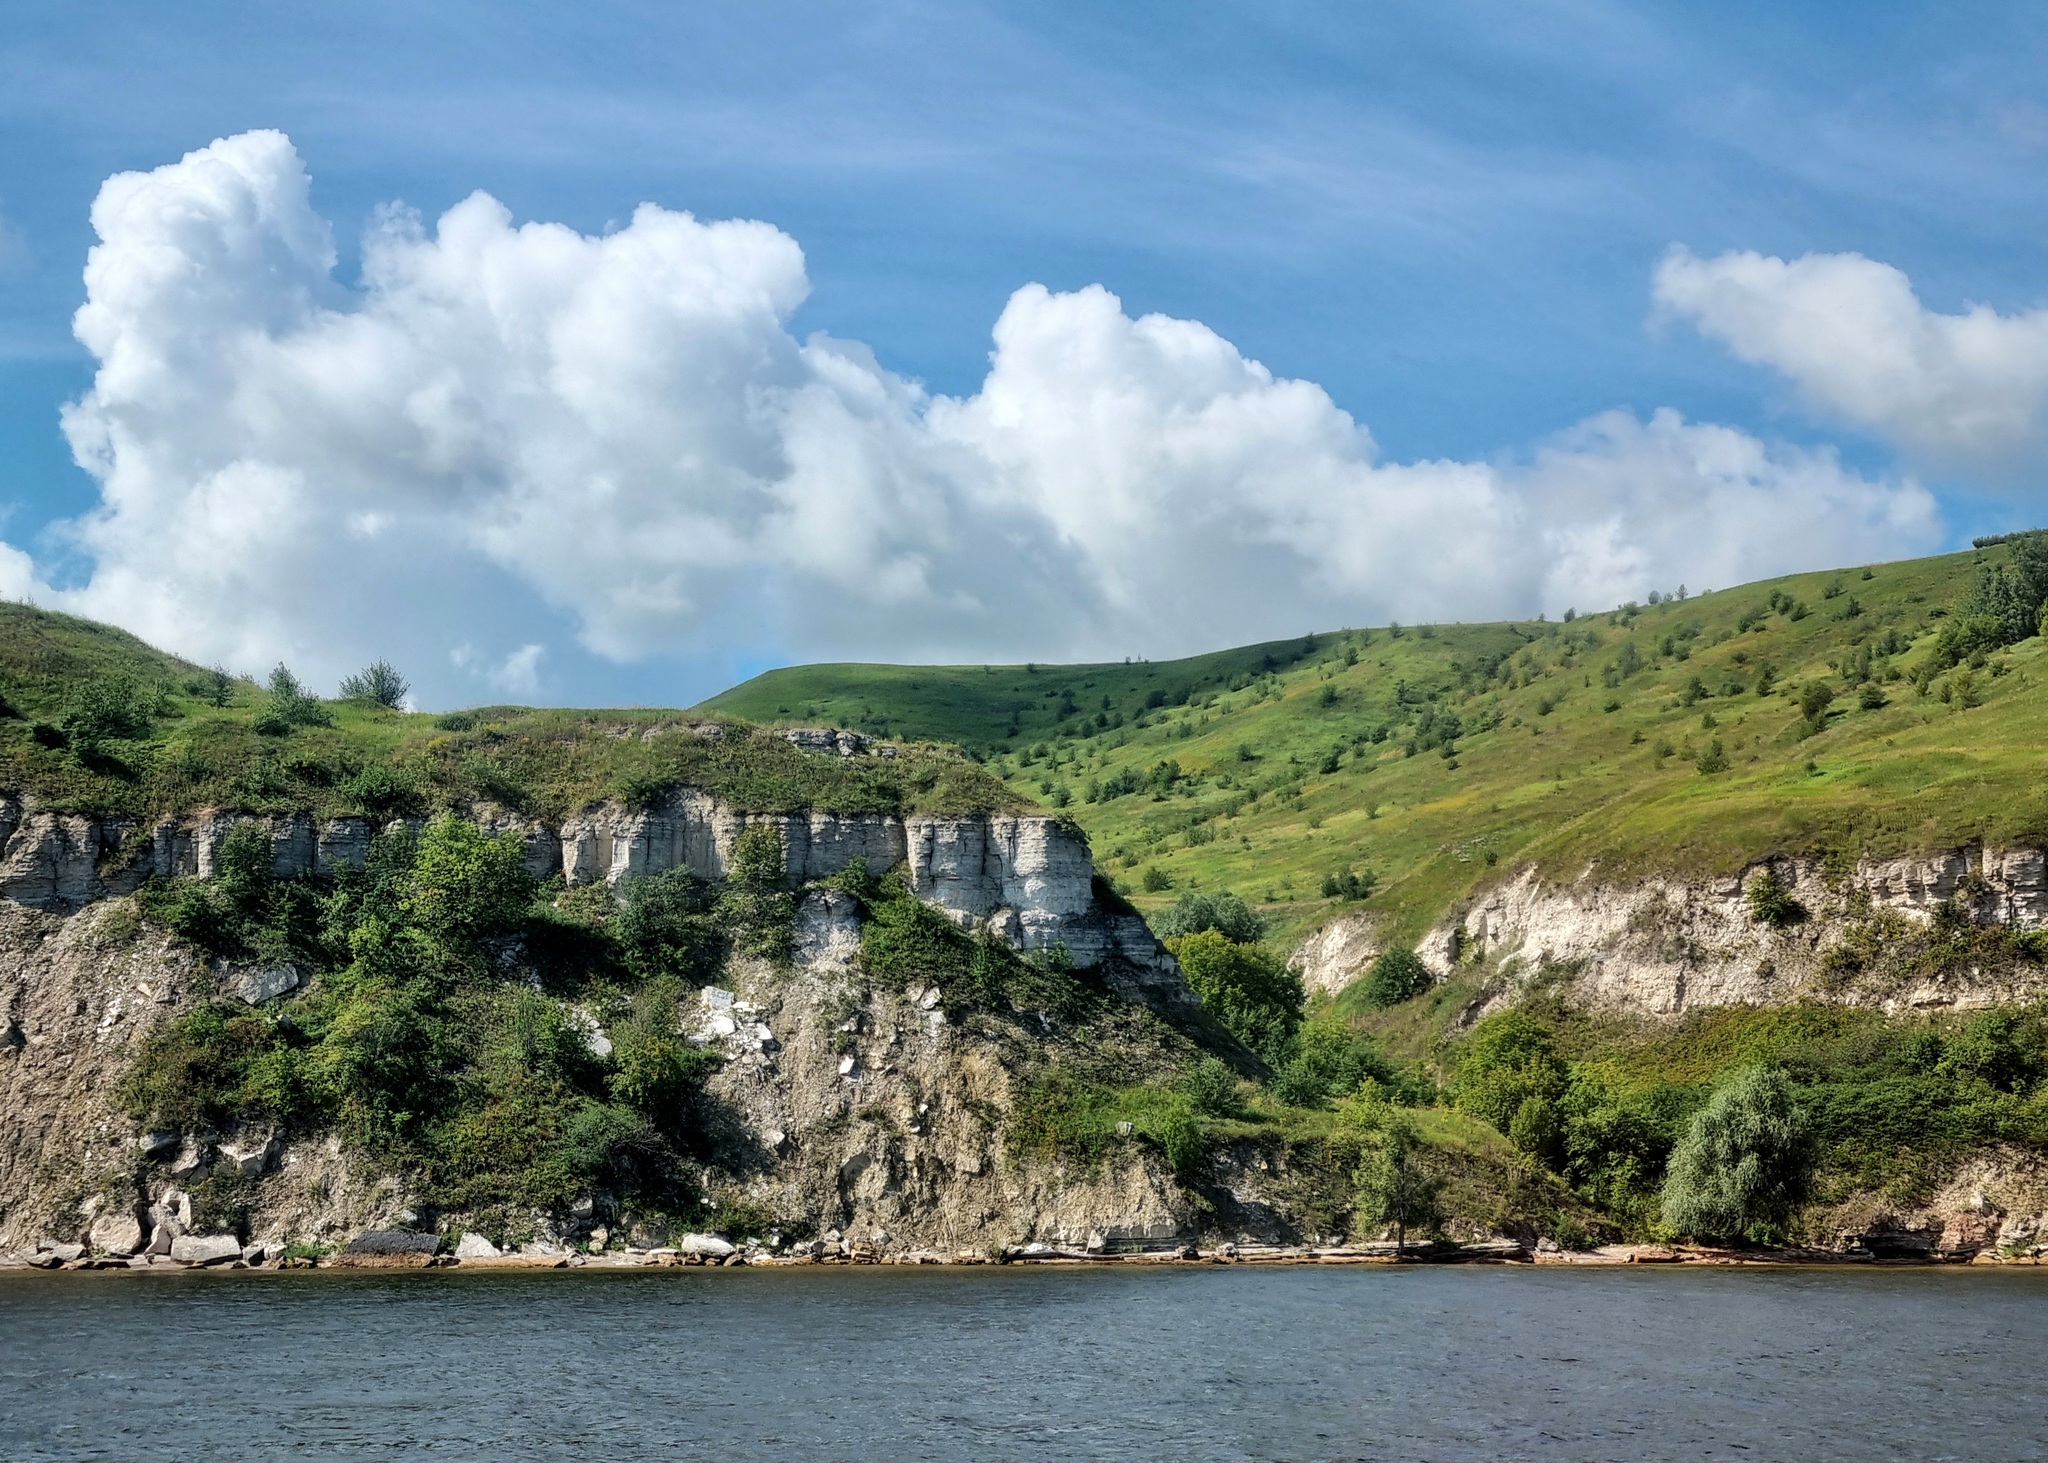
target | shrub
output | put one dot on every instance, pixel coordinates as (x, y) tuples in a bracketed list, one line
[(290, 704), (1223, 912), (466, 885), (378, 684), (664, 928), (1397, 975), (1211, 1087), (1345, 884), (1741, 1167), (1331, 1061), (1249, 990), (106, 708), (1156, 880), (1508, 1059), (1771, 903)]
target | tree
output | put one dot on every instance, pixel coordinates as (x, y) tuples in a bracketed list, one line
[(466, 885), (378, 683), (105, 708), (1250, 990), (1771, 902), (290, 704), (1741, 1168), (1508, 1061), (1223, 912), (1398, 975), (1392, 1186)]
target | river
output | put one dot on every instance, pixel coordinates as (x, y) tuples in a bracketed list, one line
[(1199, 1363)]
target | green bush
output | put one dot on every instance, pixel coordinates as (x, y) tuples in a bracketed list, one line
[(1508, 1059), (1397, 975), (1249, 990), (289, 705), (107, 708), (376, 684), (1211, 1087), (1331, 1061), (1741, 1168), (664, 927), (1222, 912), (1771, 903), (466, 885)]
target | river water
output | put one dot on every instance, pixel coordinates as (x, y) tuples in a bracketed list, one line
[(1198, 1363)]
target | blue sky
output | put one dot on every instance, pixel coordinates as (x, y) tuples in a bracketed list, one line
[(1449, 216)]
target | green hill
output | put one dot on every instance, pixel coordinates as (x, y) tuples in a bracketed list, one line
[(94, 720), (1667, 736)]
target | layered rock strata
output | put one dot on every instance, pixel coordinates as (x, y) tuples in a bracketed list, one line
[(1027, 879), (1663, 946)]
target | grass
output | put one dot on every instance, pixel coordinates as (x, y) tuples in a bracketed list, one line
[(1267, 769), (195, 754)]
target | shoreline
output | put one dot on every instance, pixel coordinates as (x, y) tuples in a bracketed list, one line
[(1224, 1256)]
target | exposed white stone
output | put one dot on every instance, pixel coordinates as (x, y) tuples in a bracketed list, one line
[(251, 1157), (116, 1234), (252, 985), (712, 1246), (473, 1246), (206, 1249), (828, 930)]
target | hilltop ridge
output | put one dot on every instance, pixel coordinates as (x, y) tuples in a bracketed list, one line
[(1421, 762)]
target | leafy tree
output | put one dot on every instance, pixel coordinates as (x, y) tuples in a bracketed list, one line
[(1223, 912), (466, 885), (1508, 1060), (1249, 990), (1393, 1188), (378, 683), (106, 708), (1397, 975), (289, 704), (1332, 1060), (1741, 1168)]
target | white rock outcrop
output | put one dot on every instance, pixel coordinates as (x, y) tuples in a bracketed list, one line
[(1664, 946)]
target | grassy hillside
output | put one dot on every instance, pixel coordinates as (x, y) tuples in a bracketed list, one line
[(1428, 759), (93, 719)]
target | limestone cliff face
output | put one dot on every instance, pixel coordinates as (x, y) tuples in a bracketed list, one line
[(1665, 946), (853, 1107), (1027, 879)]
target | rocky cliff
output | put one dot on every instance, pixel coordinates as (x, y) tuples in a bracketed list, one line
[(1850, 933), (844, 1105), (1030, 880)]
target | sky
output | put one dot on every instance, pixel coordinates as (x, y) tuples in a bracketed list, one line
[(613, 352)]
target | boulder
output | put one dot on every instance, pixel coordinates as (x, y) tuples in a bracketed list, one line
[(206, 1249), (116, 1234), (249, 1157), (252, 985), (391, 1246), (473, 1246), (64, 1252), (166, 1233), (192, 1162), (160, 1144), (712, 1246)]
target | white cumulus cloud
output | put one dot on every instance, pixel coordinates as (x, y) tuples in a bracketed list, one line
[(1967, 391), (504, 432)]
